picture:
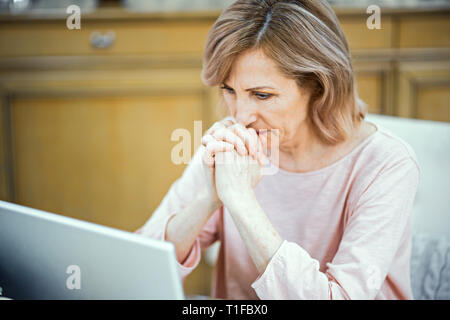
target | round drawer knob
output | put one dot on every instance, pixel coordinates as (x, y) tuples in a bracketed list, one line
[(102, 40)]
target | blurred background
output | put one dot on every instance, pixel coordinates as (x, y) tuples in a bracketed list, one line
[(86, 115)]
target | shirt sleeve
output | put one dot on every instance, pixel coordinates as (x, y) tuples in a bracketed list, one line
[(181, 193), (372, 235)]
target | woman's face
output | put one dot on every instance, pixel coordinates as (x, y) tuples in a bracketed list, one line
[(259, 96)]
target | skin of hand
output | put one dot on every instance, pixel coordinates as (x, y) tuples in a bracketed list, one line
[(225, 136), (208, 164), (245, 141), (235, 177), (183, 228)]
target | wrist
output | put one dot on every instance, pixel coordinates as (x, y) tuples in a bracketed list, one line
[(238, 201), (212, 203)]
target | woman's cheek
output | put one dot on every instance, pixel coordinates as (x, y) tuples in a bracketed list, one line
[(229, 104), (273, 105)]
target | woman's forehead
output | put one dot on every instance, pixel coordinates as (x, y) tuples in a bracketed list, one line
[(253, 59), (255, 69)]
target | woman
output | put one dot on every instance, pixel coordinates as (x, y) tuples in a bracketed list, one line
[(334, 222)]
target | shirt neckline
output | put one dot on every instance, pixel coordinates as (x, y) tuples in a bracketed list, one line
[(366, 141)]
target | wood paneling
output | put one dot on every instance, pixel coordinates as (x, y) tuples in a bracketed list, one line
[(424, 31), (5, 150), (374, 82), (53, 38), (423, 91), (433, 101), (370, 91), (360, 37), (102, 159)]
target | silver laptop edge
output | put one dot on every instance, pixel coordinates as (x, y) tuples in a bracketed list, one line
[(41, 253)]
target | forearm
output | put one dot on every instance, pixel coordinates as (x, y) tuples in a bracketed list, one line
[(261, 239), (184, 227)]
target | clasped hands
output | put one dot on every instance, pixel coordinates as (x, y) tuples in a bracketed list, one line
[(233, 161)]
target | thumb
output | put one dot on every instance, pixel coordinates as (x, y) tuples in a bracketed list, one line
[(270, 144), (274, 146), (262, 137)]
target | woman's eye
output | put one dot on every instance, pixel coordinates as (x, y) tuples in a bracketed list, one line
[(228, 89), (259, 95), (263, 96)]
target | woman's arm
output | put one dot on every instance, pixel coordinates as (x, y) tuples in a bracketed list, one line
[(236, 176), (186, 216), (184, 227), (261, 239)]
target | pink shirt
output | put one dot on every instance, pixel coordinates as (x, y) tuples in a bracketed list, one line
[(346, 228)]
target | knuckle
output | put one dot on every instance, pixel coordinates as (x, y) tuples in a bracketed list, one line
[(227, 146), (236, 139), (216, 126), (210, 147), (207, 138), (230, 136), (227, 122), (220, 133), (235, 126), (238, 130)]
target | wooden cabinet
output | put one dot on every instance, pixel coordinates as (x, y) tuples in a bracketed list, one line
[(424, 90), (403, 68), (97, 145), (86, 131), (422, 30)]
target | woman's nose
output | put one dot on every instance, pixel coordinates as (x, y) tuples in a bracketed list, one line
[(245, 114)]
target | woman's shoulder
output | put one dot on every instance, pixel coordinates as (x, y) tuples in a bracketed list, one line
[(385, 158), (386, 161), (387, 148)]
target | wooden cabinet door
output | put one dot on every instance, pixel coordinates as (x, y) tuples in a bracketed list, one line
[(424, 90), (100, 153)]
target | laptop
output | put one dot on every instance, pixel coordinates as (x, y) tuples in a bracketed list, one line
[(49, 256)]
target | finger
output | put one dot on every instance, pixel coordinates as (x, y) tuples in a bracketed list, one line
[(243, 133), (253, 143), (207, 139), (228, 121), (259, 153), (263, 140), (230, 137), (208, 159), (270, 143), (217, 125), (224, 123), (262, 155), (214, 147), (274, 146), (225, 158)]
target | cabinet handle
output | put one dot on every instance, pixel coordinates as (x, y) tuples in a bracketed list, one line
[(102, 41)]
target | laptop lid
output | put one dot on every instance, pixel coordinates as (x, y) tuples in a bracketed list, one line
[(49, 256)]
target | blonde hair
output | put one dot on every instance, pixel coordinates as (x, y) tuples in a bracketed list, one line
[(306, 42)]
